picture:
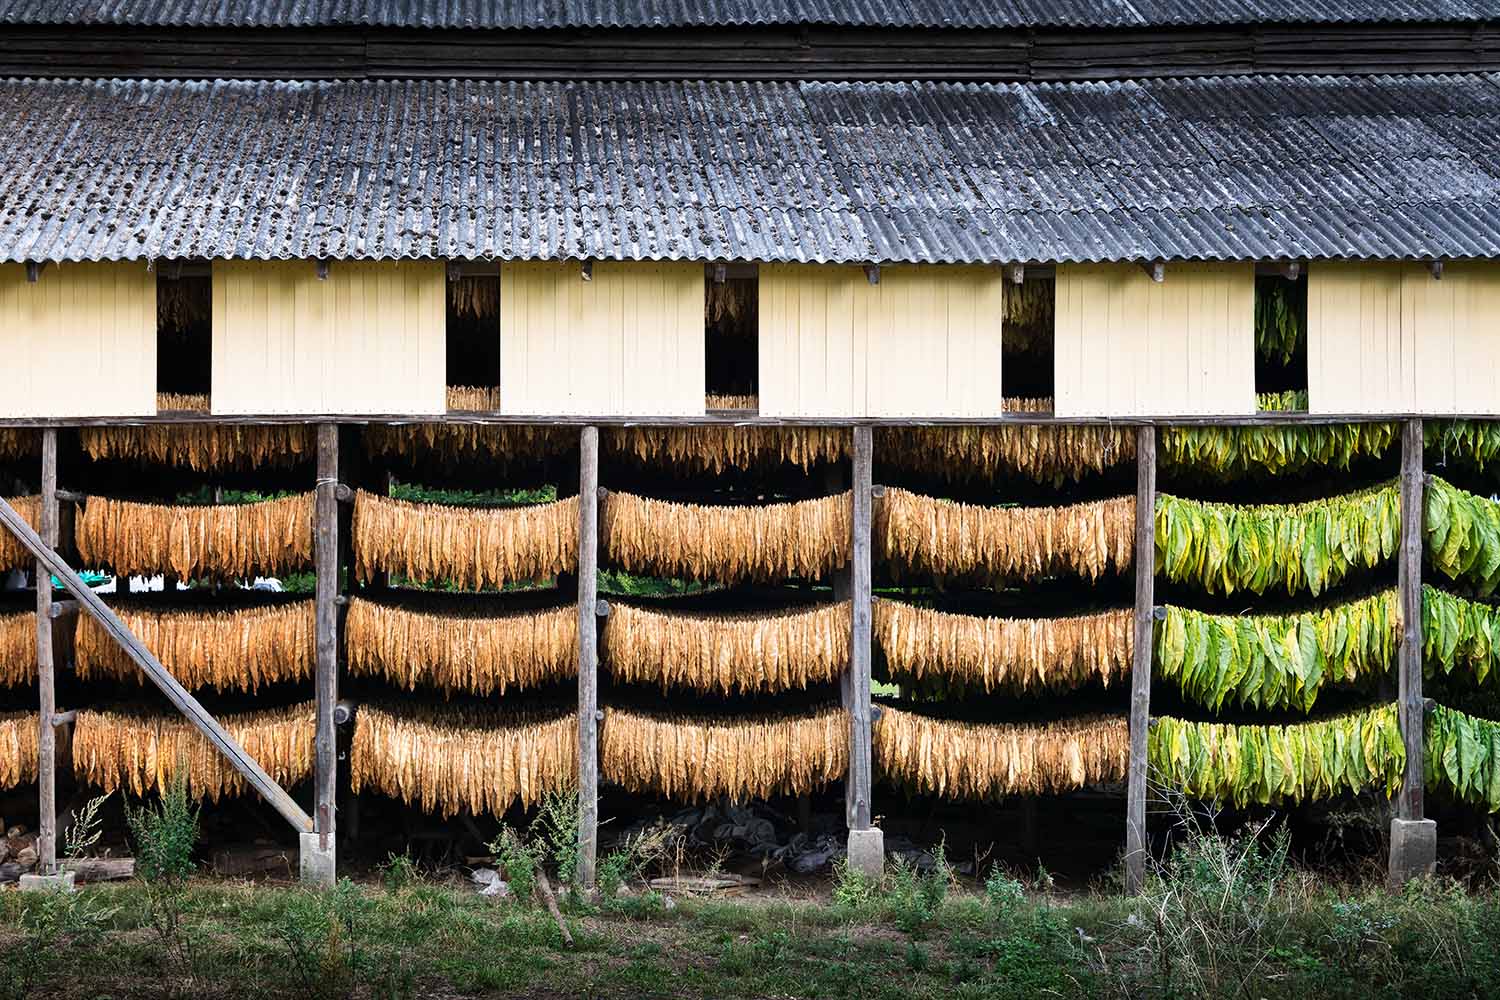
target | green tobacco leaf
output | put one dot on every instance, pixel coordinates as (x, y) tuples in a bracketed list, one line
[(1463, 535), (1226, 548), (1463, 755), (1271, 764)]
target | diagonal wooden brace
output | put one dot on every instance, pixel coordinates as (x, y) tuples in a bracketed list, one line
[(184, 702)]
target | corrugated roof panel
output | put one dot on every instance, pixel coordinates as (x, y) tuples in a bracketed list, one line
[(517, 14), (1213, 169)]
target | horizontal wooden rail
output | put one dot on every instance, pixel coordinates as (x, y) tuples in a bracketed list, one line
[(158, 674), (729, 418)]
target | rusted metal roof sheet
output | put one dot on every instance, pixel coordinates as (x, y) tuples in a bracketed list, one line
[(517, 14), (1231, 168)]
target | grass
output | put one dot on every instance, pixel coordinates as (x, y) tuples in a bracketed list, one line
[(419, 938)]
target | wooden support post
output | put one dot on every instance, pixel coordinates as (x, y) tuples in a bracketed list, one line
[(859, 638), (1140, 668), (326, 562), (588, 655), (1409, 573), (1413, 837), (46, 772)]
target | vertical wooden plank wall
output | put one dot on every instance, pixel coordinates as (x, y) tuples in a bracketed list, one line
[(1409, 804), (860, 583), (46, 690), (922, 342), (1126, 345), (1136, 845), (1360, 358), (78, 341), (326, 563), (627, 342), (588, 654), (1387, 337), (370, 338)]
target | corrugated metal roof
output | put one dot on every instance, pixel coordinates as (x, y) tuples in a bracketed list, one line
[(1240, 167), (711, 13)]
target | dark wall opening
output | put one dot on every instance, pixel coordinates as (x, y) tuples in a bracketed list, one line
[(184, 332), (473, 357), (1026, 363), (1281, 335), (731, 332)]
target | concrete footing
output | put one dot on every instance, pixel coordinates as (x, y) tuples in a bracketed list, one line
[(315, 863), (867, 851), (1413, 850), (61, 882)]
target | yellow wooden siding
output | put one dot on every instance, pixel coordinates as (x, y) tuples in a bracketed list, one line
[(1388, 338), (1359, 357), (923, 342), (371, 338), (79, 342), (1128, 346), (627, 343)]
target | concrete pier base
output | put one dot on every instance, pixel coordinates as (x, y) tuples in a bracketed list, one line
[(1413, 850), (867, 851), (315, 863), (61, 882)]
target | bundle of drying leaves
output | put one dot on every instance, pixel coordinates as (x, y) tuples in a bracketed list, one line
[(966, 760), (203, 447), (142, 753), (225, 541), (925, 536), (1463, 753), (1010, 654), (12, 554), (1303, 762), (703, 757), (1276, 661), (1463, 535), (1292, 547), (464, 650), (770, 542), (469, 547), (238, 649), (17, 648), (452, 760), (728, 653), (1459, 633), (18, 748)]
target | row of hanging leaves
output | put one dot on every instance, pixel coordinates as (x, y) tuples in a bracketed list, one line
[(1276, 661), (1463, 753), (1278, 317), (1459, 633), (1236, 452), (1290, 547), (1463, 535), (1268, 764)]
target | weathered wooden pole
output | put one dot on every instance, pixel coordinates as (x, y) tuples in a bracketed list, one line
[(866, 844), (588, 655), (1140, 668), (46, 771), (318, 855), (1413, 838)]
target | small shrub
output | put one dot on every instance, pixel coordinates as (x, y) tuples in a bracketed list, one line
[(520, 862), (852, 888), (556, 827), (916, 957), (398, 873), (1002, 892), (165, 836)]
